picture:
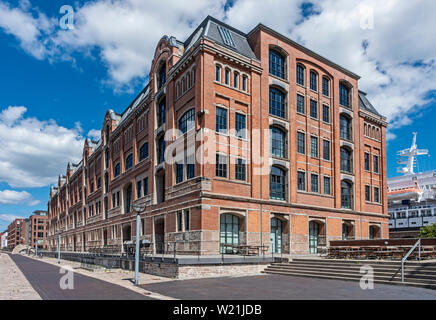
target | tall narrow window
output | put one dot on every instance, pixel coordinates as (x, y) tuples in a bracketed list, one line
[(236, 80), (314, 109), (146, 186), (277, 142), (346, 160), (227, 76), (367, 165), (346, 194), (345, 127), (277, 183), (368, 193), (326, 150), (190, 168), (326, 113), (276, 103), (301, 143), (161, 149), (240, 170), (276, 64), (221, 166), (375, 161), (138, 189), (344, 95), (117, 170), (179, 220), (161, 78), (314, 187), (300, 74), (221, 120), (244, 83), (143, 151), (179, 172), (300, 104), (327, 188), (161, 115), (187, 219), (218, 73), (376, 195), (325, 86), (314, 147), (313, 81), (301, 181), (240, 125)]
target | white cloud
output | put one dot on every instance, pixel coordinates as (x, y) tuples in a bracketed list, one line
[(17, 197), (94, 134), (35, 151), (8, 217), (397, 62), (30, 28)]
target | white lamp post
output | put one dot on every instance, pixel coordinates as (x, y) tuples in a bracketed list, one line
[(138, 208)]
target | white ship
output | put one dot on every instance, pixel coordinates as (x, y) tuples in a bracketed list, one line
[(412, 196)]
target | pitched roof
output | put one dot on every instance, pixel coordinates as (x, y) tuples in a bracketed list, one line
[(209, 28), (366, 105)]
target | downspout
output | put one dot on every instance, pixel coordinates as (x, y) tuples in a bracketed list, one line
[(260, 144)]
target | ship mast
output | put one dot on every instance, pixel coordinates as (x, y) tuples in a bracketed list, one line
[(408, 157)]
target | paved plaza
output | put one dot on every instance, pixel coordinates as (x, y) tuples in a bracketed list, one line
[(32, 278)]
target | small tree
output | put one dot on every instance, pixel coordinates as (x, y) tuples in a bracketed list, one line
[(428, 231)]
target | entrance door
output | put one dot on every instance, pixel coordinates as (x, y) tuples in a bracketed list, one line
[(276, 235), (229, 233), (313, 237), (159, 235)]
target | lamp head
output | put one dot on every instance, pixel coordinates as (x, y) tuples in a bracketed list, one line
[(138, 207)]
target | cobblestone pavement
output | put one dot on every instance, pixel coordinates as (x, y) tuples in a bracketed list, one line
[(45, 278), (14, 285), (119, 277), (278, 287)]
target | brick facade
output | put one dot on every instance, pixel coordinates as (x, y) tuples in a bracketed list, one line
[(187, 206)]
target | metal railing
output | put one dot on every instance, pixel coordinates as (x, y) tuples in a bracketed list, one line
[(417, 244)]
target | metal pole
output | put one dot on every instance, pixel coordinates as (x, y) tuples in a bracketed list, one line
[(59, 247), (36, 249), (138, 226)]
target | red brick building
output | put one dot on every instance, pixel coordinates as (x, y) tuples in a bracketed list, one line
[(37, 229), (16, 233), (277, 147)]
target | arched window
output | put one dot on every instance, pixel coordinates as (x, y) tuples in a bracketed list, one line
[(129, 162), (162, 76), (229, 232), (345, 127), (346, 194), (344, 95), (276, 103), (278, 142), (143, 151), (276, 64), (277, 185), (161, 113), (187, 121), (300, 74), (227, 76), (313, 81), (236, 80), (365, 129), (346, 160), (193, 76)]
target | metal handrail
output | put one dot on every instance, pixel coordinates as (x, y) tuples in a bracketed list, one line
[(417, 244)]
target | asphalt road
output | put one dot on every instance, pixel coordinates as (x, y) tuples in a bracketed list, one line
[(45, 279), (281, 287)]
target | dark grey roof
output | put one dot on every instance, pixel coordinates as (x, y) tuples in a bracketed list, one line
[(365, 104), (209, 29)]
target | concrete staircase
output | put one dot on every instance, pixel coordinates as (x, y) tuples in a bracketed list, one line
[(418, 274)]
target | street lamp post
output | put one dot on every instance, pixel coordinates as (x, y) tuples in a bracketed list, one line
[(137, 208), (59, 247)]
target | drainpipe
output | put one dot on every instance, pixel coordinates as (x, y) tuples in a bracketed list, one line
[(260, 144)]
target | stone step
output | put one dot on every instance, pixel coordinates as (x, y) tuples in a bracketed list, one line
[(347, 277), (396, 274), (368, 261), (407, 267)]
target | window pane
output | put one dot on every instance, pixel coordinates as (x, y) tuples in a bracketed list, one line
[(314, 109), (314, 182), (277, 183), (326, 113), (301, 143), (300, 104), (221, 120), (277, 142), (240, 125), (301, 181), (314, 147), (276, 103), (300, 75), (276, 64)]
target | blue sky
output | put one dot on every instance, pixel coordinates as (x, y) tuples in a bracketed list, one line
[(55, 85)]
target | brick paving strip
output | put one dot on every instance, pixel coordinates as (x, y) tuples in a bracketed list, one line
[(14, 285), (115, 276)]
